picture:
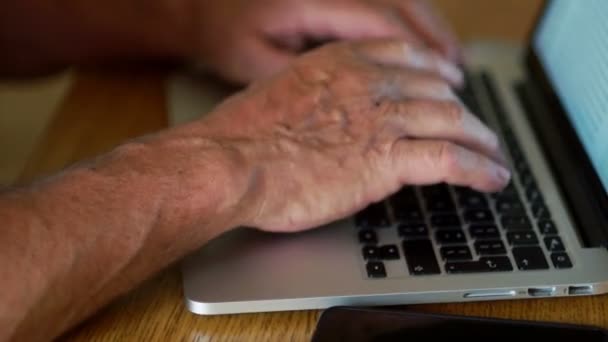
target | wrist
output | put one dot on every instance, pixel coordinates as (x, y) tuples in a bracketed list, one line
[(200, 183)]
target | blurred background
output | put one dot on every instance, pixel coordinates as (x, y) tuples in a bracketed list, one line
[(29, 108)]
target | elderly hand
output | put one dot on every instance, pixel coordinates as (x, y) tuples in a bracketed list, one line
[(245, 40), (346, 125)]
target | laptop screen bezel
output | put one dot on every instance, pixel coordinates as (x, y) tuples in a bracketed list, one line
[(582, 185)]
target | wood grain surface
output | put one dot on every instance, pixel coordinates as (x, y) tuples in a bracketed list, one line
[(106, 107)]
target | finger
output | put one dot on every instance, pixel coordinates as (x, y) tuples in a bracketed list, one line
[(398, 84), (446, 120), (350, 20), (421, 162), (262, 60), (398, 53), (428, 24)]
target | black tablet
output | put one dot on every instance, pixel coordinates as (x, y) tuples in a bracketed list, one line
[(355, 324)]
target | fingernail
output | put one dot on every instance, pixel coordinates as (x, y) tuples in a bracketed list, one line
[(503, 174), (451, 72)]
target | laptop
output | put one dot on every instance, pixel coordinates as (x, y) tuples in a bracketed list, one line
[(545, 235)]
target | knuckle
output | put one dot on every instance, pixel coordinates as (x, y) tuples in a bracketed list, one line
[(447, 157), (418, 106), (435, 59), (454, 113), (435, 85), (416, 109), (443, 110), (412, 107)]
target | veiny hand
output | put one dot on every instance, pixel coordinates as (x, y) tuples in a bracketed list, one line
[(245, 40), (346, 125)]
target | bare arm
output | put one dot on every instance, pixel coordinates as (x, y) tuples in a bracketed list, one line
[(71, 243), (344, 126)]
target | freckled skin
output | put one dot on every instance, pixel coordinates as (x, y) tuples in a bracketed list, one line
[(315, 142), (328, 120), (328, 133)]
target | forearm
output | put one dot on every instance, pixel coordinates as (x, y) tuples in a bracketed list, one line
[(72, 243), (39, 36)]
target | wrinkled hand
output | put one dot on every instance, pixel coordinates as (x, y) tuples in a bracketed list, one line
[(346, 125), (245, 40)]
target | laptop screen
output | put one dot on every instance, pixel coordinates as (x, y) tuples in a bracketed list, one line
[(572, 44)]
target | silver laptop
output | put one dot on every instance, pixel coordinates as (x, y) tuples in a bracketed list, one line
[(545, 235)]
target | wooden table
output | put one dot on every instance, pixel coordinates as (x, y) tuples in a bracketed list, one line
[(105, 107)]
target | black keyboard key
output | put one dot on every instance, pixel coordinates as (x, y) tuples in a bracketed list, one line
[(413, 230), (497, 264), (375, 269), (520, 163), (554, 244), (530, 258), (490, 247), (405, 205), (368, 236), (547, 227), (519, 159), (509, 192), (473, 200), (440, 204), (464, 190), (484, 231), (526, 179), (435, 191), (514, 212), (517, 155), (389, 252), (371, 253), (487, 264), (540, 211), (449, 236), (374, 216), (516, 223), (561, 260), (438, 198), (456, 253), (514, 149), (519, 238), (420, 257), (510, 206), (510, 139), (478, 215), (533, 194), (405, 195), (508, 135), (445, 220), (467, 95), (408, 214)]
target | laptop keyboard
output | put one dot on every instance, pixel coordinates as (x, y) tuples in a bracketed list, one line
[(444, 229)]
